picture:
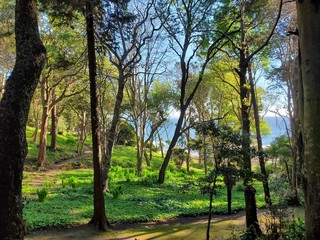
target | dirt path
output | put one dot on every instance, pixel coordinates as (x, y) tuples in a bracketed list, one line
[(50, 174), (188, 228)]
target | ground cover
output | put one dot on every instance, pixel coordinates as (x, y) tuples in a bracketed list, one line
[(131, 198), (66, 147)]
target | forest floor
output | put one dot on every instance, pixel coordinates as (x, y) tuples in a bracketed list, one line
[(222, 227)]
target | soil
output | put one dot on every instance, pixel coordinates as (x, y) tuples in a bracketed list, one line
[(222, 227)]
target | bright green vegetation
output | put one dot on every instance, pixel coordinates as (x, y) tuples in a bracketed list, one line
[(67, 147), (130, 199)]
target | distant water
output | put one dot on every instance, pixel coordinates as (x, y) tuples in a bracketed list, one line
[(277, 127), (276, 123)]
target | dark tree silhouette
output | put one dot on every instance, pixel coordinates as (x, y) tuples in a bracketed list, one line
[(99, 219), (14, 109)]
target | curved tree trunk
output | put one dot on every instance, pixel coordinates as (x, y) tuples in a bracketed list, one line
[(106, 161), (263, 170), (173, 142), (14, 108)]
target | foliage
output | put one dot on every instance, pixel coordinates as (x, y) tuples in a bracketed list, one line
[(66, 147), (42, 194), (116, 192), (126, 135), (296, 230), (249, 234)]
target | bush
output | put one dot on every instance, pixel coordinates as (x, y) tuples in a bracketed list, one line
[(42, 194), (239, 187), (249, 234), (296, 230), (47, 184), (116, 192), (72, 182), (126, 135)]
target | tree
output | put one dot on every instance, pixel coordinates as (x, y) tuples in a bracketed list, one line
[(187, 23), (99, 219), (61, 78), (7, 53), (255, 105), (6, 18), (122, 36), (14, 108), (139, 89), (309, 90), (285, 81), (246, 51)]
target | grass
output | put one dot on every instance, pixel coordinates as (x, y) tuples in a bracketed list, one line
[(69, 198), (66, 147), (141, 199)]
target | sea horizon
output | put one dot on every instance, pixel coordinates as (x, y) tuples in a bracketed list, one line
[(276, 123)]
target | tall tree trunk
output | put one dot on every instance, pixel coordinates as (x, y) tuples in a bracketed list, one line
[(229, 196), (42, 154), (82, 133), (173, 142), (309, 37), (160, 144), (250, 201), (293, 107), (263, 170), (106, 161), (99, 219), (37, 120), (14, 109), (188, 157), (54, 123), (139, 149)]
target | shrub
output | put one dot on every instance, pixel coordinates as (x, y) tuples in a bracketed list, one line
[(296, 230), (116, 192), (72, 182), (42, 194), (239, 187), (63, 183), (47, 184), (249, 234)]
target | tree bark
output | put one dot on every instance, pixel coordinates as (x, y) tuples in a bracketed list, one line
[(111, 135), (42, 154), (263, 170), (54, 123), (251, 211), (99, 219), (173, 142), (37, 119), (229, 196), (309, 37), (14, 108)]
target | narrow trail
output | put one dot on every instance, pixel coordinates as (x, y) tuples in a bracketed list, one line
[(50, 174), (87, 153), (187, 228)]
